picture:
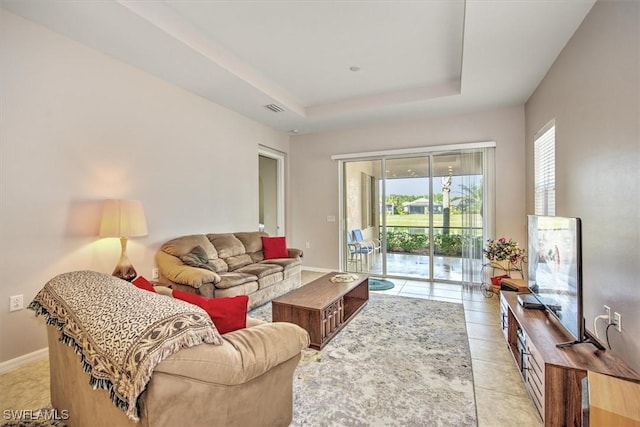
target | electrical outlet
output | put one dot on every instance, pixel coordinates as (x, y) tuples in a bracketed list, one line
[(308, 245), (16, 303), (617, 319), (155, 274), (607, 311)]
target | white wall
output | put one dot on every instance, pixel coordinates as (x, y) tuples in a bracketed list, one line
[(593, 92), (314, 198), (79, 127)]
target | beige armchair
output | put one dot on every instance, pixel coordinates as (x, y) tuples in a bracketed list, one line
[(193, 376), (246, 381)]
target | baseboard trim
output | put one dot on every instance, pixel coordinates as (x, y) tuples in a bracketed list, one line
[(317, 269), (23, 360)]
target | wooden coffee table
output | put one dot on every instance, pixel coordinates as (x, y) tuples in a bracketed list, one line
[(322, 307)]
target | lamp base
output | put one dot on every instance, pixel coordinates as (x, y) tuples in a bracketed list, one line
[(124, 270)]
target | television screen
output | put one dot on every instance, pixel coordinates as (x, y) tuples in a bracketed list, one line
[(555, 270)]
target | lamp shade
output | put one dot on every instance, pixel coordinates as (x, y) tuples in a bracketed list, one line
[(123, 218)]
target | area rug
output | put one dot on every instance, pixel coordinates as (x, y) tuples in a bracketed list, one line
[(400, 362), (380, 284)]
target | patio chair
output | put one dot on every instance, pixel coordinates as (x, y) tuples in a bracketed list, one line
[(373, 243), (357, 250)]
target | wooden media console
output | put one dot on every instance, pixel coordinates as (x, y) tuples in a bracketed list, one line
[(553, 376)]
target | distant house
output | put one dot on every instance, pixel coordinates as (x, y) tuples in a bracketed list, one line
[(390, 208), (421, 206)]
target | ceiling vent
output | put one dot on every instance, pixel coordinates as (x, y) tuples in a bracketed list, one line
[(275, 108)]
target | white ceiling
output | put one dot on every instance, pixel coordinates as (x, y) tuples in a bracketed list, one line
[(418, 58)]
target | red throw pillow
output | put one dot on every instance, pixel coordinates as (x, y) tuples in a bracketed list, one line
[(228, 314), (275, 247), (142, 283)]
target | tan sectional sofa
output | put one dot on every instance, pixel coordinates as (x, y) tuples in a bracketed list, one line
[(228, 264)]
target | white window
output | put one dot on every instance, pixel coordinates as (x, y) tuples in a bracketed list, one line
[(544, 164)]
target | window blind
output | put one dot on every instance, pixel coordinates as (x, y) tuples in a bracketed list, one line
[(545, 171)]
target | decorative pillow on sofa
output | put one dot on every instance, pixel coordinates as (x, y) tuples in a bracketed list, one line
[(228, 313), (274, 247), (142, 283), (197, 257)]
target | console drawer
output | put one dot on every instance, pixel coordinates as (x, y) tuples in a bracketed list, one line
[(534, 379)]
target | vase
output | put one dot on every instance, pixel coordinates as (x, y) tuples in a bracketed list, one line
[(502, 264)]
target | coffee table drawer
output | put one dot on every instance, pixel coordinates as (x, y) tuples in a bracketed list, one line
[(332, 318), (322, 325)]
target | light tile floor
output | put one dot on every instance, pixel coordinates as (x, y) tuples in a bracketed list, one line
[(501, 399)]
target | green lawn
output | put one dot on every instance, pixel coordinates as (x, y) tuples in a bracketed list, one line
[(422, 220)]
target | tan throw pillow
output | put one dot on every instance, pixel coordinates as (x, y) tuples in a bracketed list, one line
[(197, 257)]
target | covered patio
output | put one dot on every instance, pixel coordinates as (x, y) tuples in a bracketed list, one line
[(416, 266)]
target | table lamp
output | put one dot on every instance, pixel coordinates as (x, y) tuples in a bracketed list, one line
[(123, 219)]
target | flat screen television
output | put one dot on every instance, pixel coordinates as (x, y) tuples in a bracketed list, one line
[(554, 271)]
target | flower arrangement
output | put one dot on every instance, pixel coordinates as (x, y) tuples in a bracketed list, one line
[(503, 250)]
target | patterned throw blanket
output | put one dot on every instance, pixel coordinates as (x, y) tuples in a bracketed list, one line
[(120, 331)]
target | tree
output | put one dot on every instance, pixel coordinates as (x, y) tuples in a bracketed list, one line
[(471, 199), (446, 214)]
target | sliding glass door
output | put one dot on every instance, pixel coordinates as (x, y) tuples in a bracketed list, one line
[(409, 217), (458, 230), (418, 216)]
